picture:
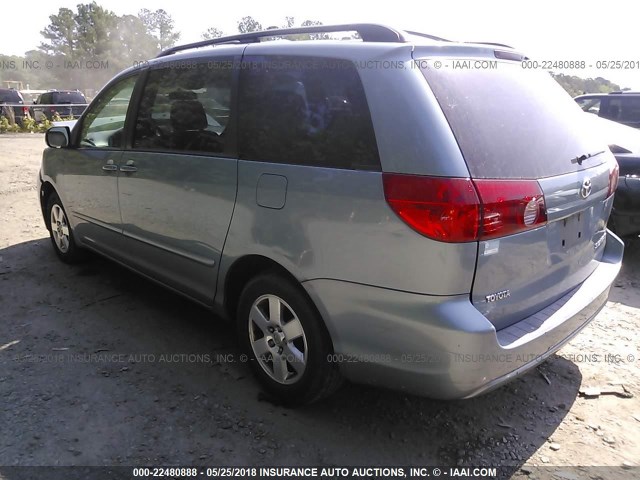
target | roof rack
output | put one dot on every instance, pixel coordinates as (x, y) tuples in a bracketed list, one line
[(426, 35), (493, 44), (369, 32)]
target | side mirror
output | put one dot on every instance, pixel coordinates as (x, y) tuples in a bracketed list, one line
[(57, 137)]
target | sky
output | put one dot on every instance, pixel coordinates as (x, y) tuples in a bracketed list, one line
[(547, 30)]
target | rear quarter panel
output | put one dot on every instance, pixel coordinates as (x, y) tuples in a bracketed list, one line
[(335, 224)]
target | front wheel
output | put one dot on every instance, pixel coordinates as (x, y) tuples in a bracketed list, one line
[(60, 231), (286, 341)]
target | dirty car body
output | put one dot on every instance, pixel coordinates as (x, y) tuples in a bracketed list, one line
[(352, 207)]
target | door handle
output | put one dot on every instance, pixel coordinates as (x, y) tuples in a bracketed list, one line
[(129, 167), (109, 166)]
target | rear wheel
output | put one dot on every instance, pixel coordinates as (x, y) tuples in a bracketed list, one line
[(286, 341), (60, 231)]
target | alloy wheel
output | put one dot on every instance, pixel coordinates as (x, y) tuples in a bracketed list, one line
[(277, 339)]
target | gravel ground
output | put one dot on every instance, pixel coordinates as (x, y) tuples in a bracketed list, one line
[(100, 367)]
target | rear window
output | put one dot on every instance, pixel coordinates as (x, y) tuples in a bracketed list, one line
[(68, 97), (512, 123), (10, 97)]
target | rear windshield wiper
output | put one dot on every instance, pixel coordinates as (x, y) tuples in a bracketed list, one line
[(585, 156)]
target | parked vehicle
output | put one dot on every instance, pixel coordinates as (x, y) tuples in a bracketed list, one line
[(13, 97), (357, 209), (65, 103), (624, 142), (622, 107)]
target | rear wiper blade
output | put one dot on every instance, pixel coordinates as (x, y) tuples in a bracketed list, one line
[(585, 156)]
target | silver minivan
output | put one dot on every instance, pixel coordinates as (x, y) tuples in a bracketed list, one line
[(402, 210)]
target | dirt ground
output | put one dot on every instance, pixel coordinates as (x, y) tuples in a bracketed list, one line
[(101, 367)]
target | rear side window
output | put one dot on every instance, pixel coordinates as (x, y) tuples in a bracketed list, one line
[(512, 123), (305, 111), (186, 109), (621, 108)]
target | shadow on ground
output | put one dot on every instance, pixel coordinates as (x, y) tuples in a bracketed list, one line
[(629, 278), (110, 369)]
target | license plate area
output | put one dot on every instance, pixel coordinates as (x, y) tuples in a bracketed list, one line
[(573, 230)]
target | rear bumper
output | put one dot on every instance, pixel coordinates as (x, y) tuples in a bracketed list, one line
[(443, 347)]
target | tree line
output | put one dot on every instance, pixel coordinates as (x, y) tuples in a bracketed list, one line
[(577, 86), (84, 48)]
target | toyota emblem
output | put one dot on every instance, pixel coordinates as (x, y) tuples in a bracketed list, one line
[(585, 190)]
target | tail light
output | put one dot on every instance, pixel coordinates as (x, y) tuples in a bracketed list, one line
[(614, 175), (465, 210), (445, 209), (25, 111), (510, 206)]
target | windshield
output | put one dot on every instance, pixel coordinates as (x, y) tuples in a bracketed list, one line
[(511, 122), (591, 105)]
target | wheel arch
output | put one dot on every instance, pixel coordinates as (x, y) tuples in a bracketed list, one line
[(247, 267), (242, 270), (46, 190), (324, 377)]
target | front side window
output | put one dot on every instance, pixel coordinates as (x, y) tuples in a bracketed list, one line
[(186, 109), (103, 126), (305, 111)]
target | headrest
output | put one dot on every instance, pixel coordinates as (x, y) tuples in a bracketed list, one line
[(188, 115)]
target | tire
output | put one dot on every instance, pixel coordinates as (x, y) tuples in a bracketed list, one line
[(60, 232), (303, 374)]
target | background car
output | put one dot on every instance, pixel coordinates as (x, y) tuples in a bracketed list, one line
[(12, 96), (624, 143), (622, 107), (65, 103)]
